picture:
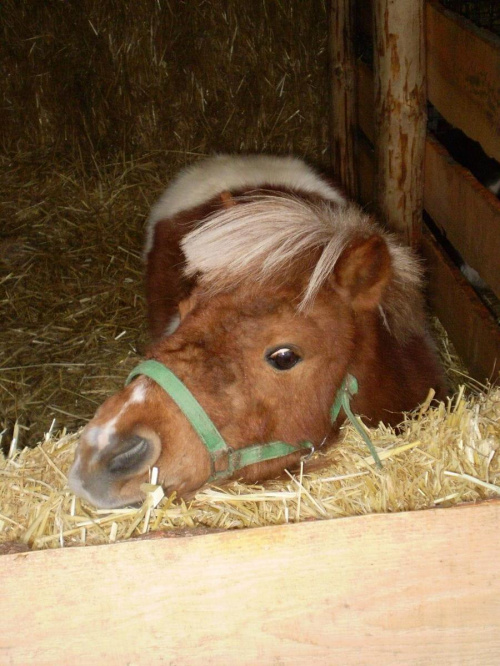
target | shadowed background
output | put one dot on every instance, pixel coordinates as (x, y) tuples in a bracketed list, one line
[(101, 104)]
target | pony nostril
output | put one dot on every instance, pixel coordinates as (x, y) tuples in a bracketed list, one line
[(139, 452)]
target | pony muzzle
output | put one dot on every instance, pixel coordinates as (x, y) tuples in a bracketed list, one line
[(111, 477)]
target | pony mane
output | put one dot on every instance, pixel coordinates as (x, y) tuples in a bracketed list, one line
[(203, 180), (261, 236)]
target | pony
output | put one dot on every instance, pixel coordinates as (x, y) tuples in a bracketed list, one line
[(266, 291)]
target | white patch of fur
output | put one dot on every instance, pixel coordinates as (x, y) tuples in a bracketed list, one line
[(138, 393), (205, 179), (99, 436), (259, 238)]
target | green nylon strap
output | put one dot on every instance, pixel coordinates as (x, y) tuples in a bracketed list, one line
[(185, 400), (204, 427), (213, 440), (348, 390)]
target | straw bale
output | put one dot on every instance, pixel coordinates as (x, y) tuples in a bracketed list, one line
[(442, 456)]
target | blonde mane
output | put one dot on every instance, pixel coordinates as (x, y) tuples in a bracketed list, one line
[(261, 236), (203, 180)]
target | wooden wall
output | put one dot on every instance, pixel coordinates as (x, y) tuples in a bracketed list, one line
[(463, 84)]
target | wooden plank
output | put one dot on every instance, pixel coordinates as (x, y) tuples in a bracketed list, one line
[(463, 72), (408, 588), (462, 83), (400, 113), (464, 209), (468, 213), (343, 113), (471, 328)]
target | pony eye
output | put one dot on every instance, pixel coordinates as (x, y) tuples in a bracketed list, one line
[(283, 358)]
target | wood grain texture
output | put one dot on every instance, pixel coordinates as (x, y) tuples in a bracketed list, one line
[(463, 71), (343, 111), (471, 328), (468, 213), (400, 112), (409, 588), (463, 77)]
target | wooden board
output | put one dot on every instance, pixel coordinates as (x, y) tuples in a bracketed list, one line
[(468, 213), (342, 113), (463, 75), (410, 588), (400, 113), (471, 328)]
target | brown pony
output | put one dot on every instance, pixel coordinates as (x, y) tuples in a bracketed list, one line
[(265, 290)]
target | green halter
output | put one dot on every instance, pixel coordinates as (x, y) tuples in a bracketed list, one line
[(222, 455)]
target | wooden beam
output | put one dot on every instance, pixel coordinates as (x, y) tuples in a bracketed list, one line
[(400, 112), (471, 328), (408, 588), (342, 112), (463, 71), (468, 213)]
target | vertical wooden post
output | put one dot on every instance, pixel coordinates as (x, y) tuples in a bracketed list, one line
[(343, 98), (400, 112)]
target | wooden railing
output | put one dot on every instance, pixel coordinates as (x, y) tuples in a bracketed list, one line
[(463, 83)]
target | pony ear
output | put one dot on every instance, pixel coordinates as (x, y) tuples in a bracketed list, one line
[(362, 272)]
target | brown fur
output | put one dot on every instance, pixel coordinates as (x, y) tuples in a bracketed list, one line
[(166, 282), (219, 352)]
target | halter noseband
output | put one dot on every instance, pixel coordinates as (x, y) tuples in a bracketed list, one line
[(224, 460)]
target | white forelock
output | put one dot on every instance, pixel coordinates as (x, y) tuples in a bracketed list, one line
[(260, 237), (203, 180)]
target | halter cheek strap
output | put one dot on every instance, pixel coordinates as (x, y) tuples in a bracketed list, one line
[(348, 390), (224, 460), (221, 455)]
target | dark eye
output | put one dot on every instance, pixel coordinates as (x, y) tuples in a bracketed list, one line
[(283, 358)]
